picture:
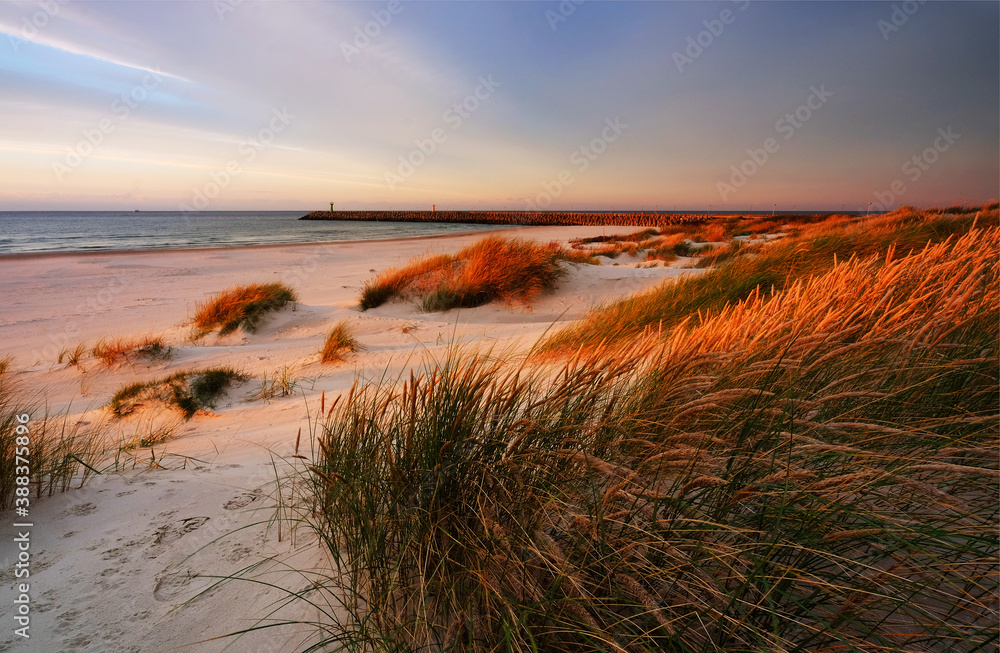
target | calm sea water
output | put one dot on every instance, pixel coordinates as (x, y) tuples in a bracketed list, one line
[(28, 232)]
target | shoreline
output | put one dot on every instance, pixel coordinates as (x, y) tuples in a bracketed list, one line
[(58, 299), (22, 256), (500, 220)]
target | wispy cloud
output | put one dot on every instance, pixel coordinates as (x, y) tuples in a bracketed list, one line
[(222, 76)]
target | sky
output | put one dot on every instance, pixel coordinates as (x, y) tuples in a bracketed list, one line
[(523, 105)]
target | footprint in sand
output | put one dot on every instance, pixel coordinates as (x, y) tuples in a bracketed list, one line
[(239, 554), (81, 510), (109, 580), (47, 602), (78, 642), (177, 530), (120, 552), (172, 584), (66, 622), (243, 500), (96, 545), (173, 532)]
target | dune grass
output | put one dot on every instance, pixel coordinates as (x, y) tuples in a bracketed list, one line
[(574, 255), (490, 270), (617, 244), (185, 391), (65, 451), (810, 470), (814, 250), (112, 351), (616, 249), (13, 413), (282, 383), (145, 436), (712, 232), (636, 236), (59, 450), (734, 249), (241, 307), (73, 357), (338, 342), (653, 245), (398, 282)]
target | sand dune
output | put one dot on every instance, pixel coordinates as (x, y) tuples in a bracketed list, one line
[(124, 564)]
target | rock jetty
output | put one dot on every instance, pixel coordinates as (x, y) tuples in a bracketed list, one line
[(527, 218)]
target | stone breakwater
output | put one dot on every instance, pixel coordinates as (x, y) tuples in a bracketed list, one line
[(527, 218)]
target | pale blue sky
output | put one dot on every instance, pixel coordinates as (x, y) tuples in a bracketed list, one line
[(242, 105)]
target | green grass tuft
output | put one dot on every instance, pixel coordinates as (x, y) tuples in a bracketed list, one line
[(188, 391)]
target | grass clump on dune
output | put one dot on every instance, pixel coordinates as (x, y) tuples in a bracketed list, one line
[(73, 357), (339, 341), (766, 269), (281, 384), (489, 270), (714, 257), (241, 306), (637, 236), (51, 450), (187, 391), (145, 435), (811, 470), (578, 255), (113, 351), (651, 244), (398, 282)]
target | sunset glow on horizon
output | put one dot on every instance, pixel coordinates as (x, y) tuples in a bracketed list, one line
[(237, 105)]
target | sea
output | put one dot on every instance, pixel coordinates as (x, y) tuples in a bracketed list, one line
[(36, 232)]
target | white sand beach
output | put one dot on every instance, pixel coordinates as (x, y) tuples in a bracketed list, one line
[(126, 563)]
